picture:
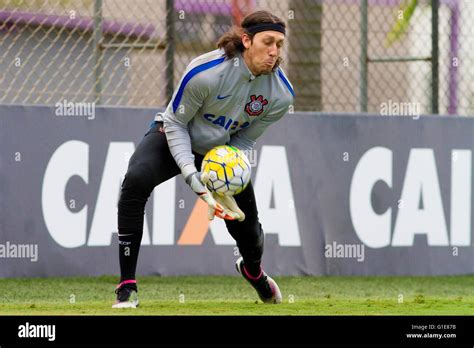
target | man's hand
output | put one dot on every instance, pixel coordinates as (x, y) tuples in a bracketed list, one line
[(223, 207), (229, 204)]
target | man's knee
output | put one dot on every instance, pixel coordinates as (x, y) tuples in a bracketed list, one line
[(138, 182)]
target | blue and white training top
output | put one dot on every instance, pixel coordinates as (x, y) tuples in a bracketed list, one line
[(219, 101)]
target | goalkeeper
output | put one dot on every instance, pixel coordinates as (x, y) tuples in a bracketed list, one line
[(227, 96)]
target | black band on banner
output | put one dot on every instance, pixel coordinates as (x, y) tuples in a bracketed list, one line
[(226, 330)]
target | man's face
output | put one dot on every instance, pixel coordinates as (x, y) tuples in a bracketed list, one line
[(262, 52)]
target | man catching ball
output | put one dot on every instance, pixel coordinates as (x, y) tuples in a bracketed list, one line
[(227, 96)]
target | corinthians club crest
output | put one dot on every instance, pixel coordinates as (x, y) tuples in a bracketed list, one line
[(255, 106)]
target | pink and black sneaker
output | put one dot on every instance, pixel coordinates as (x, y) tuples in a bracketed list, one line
[(267, 289), (126, 295)]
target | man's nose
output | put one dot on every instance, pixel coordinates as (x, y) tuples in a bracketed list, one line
[(273, 50)]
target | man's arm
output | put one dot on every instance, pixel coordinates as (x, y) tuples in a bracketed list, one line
[(246, 138), (182, 108)]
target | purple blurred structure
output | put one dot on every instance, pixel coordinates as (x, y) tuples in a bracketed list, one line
[(135, 30)]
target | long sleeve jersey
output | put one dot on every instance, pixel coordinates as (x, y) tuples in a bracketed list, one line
[(219, 101)]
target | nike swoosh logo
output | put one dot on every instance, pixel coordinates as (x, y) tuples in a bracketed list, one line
[(220, 97)]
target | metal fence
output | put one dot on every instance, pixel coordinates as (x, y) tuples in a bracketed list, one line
[(341, 55)]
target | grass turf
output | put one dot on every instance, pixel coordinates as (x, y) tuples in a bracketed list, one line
[(231, 295)]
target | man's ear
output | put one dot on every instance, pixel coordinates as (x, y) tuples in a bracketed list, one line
[(246, 41)]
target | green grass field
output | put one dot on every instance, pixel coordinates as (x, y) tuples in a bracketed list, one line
[(229, 295)]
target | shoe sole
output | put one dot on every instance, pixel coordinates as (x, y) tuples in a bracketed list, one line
[(125, 305), (237, 265)]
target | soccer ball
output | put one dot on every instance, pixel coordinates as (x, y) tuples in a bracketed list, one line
[(228, 168)]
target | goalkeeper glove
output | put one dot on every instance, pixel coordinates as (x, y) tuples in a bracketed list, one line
[(223, 207), (229, 204)]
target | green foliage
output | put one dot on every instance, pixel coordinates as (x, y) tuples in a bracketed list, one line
[(399, 29)]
